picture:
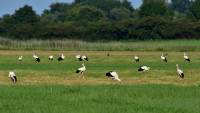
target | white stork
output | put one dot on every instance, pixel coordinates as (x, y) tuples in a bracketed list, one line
[(84, 57), (136, 58), (186, 57), (12, 76), (81, 58), (81, 70), (51, 58), (144, 68), (78, 57), (37, 59), (20, 58), (179, 71), (62, 57), (113, 75), (163, 57)]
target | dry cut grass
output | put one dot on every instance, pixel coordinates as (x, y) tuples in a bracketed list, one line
[(31, 73)]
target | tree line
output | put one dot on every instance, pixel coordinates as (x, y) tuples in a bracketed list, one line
[(103, 20)]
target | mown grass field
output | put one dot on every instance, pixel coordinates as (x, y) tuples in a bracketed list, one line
[(54, 87), (46, 72)]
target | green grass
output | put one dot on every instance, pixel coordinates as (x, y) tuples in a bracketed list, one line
[(46, 72), (54, 87), (71, 45), (100, 99)]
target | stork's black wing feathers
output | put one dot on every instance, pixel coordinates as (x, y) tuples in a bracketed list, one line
[(140, 69), (182, 75), (37, 59), (77, 71), (165, 60), (108, 74), (60, 59)]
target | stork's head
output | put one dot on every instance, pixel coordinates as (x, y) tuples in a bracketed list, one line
[(177, 65)]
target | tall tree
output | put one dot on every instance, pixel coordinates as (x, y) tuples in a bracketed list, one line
[(195, 9), (127, 4), (181, 5), (21, 23), (58, 12), (106, 5), (25, 15), (58, 7), (86, 13), (120, 14), (153, 8)]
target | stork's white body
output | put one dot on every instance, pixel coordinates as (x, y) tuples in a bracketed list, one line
[(51, 57), (13, 77), (20, 58), (163, 57), (81, 69), (37, 59), (35, 56), (81, 58), (136, 58), (144, 68), (179, 71), (113, 75), (78, 56), (186, 57), (62, 56)]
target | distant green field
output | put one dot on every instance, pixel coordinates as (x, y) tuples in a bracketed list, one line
[(100, 99), (74, 45)]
